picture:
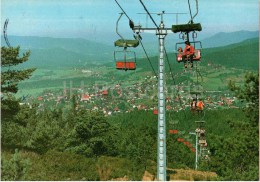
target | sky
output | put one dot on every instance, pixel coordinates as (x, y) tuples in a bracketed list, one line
[(96, 19)]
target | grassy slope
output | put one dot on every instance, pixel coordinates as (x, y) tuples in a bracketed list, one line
[(242, 55)]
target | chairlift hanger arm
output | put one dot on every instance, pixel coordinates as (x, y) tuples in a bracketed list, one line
[(121, 14), (143, 29), (197, 11), (131, 23)]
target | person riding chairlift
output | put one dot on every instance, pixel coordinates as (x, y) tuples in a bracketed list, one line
[(200, 106), (188, 54), (193, 105), (180, 54)]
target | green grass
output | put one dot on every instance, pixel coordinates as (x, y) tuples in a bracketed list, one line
[(242, 55)]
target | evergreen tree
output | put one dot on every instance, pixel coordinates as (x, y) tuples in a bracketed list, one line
[(250, 93), (249, 131), (10, 78), (235, 157)]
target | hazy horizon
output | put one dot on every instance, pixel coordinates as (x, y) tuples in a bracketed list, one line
[(96, 19)]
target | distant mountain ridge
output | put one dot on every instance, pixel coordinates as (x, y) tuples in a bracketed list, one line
[(46, 51), (72, 44), (223, 39), (69, 52)]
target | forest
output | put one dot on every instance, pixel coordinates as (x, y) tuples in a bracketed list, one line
[(76, 144)]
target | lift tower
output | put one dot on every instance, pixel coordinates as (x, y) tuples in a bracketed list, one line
[(161, 33)]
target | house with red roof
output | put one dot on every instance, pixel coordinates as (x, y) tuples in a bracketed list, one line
[(85, 97)]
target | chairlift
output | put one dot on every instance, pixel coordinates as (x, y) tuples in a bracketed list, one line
[(202, 141), (184, 30), (155, 111), (173, 131), (186, 143), (193, 149), (197, 51), (196, 89), (180, 139), (125, 59)]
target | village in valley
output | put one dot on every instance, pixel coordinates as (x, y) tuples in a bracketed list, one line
[(117, 96)]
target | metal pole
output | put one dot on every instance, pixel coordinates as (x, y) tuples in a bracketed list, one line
[(196, 161), (196, 155), (161, 154)]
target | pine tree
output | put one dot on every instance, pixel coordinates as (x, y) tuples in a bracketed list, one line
[(236, 157), (10, 78), (249, 92)]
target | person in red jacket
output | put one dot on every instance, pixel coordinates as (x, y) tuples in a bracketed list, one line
[(200, 106), (188, 54)]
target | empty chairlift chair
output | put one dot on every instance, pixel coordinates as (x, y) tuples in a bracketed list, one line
[(125, 59)]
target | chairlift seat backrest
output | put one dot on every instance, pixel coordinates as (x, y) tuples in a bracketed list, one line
[(196, 92), (202, 141), (186, 27)]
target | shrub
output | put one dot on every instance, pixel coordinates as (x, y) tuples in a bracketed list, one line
[(15, 168)]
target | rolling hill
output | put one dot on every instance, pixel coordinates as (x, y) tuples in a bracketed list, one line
[(55, 53), (61, 52), (242, 55), (223, 38)]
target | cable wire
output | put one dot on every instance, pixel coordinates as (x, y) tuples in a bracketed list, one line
[(149, 14), (148, 59), (191, 19), (122, 9), (139, 38), (178, 89), (197, 11)]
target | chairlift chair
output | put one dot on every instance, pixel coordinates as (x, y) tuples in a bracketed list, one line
[(196, 89), (173, 131), (125, 59), (155, 111), (185, 29), (202, 141), (197, 52)]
